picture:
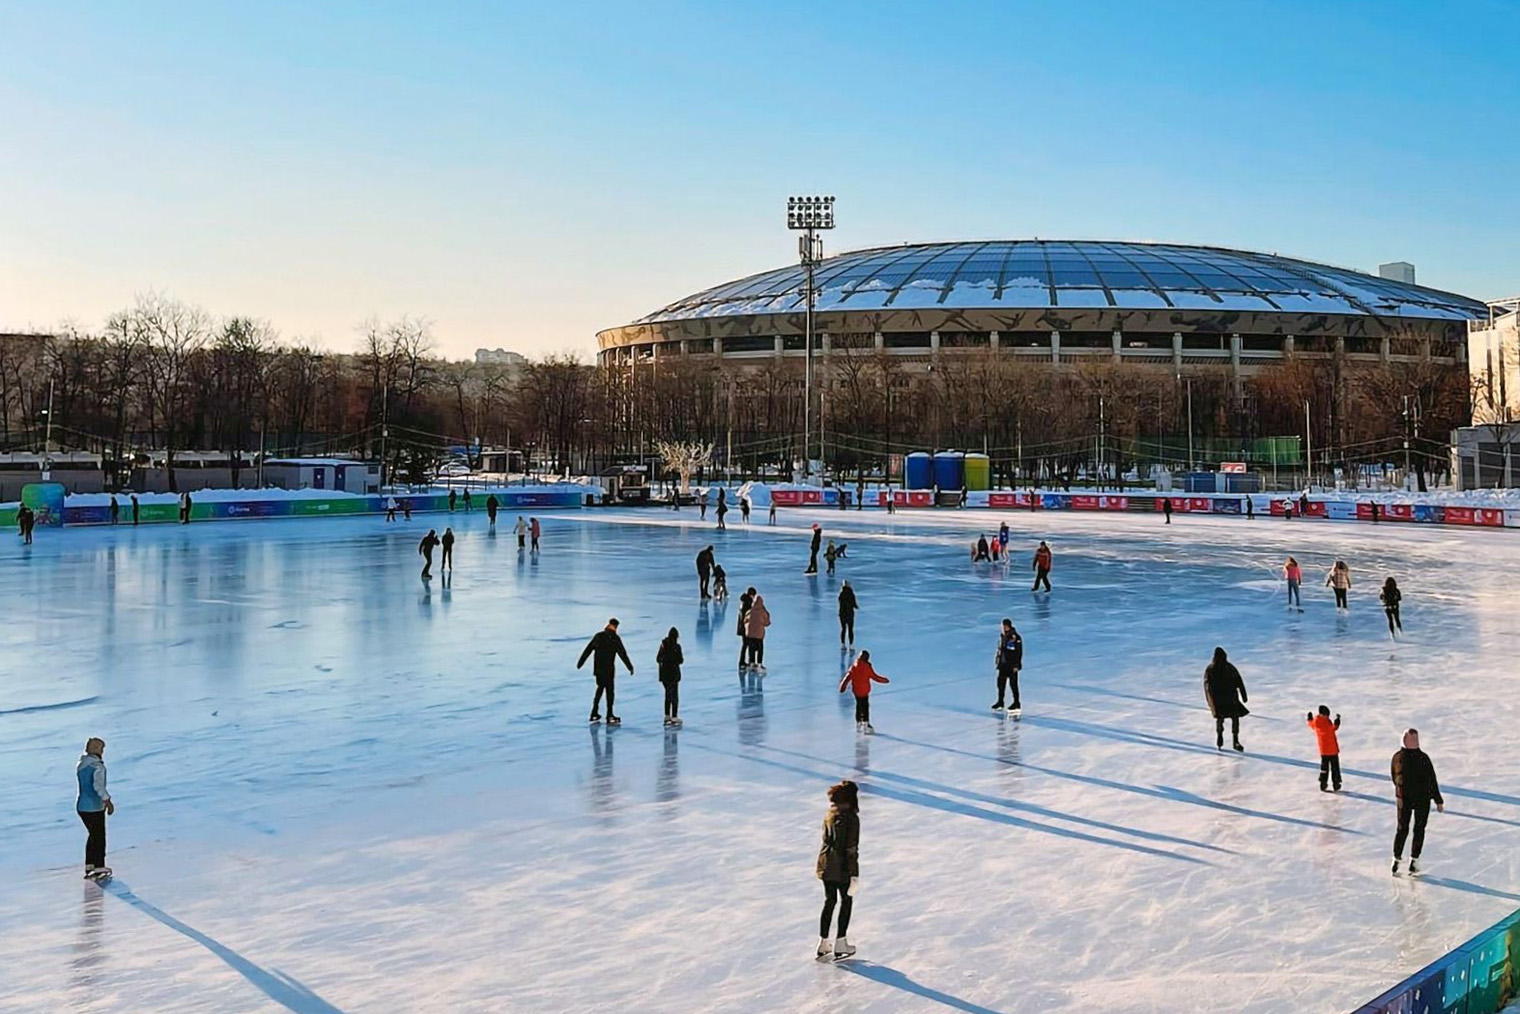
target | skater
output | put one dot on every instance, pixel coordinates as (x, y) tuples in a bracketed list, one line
[(425, 547), (669, 658), (859, 679), (1373, 507), (1415, 788), (746, 601), (997, 550), (448, 550), (720, 583), (722, 510), (184, 508), (1329, 747), (1042, 561), (979, 551), (406, 508), (838, 867), (702, 506), (744, 509), (115, 509), (1303, 504), (492, 506), (812, 567), (1390, 596), (1166, 508), (755, 622), (467, 507), (891, 503), (1339, 579), (705, 563), (453, 498), (1250, 508), (24, 524), (94, 805), (607, 647), (1003, 537), (771, 518), (1009, 659), (134, 509), (521, 528), (1294, 575), (830, 554), (534, 531), (390, 508), (847, 607), (1225, 693)]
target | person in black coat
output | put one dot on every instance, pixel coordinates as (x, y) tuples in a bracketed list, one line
[(607, 647), (838, 866), (669, 658), (745, 601), (448, 550), (1226, 693), (492, 506), (425, 547), (1009, 660), (1390, 596), (812, 567), (1415, 788), (705, 560), (847, 607)]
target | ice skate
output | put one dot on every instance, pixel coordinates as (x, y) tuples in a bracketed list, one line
[(825, 950), (1414, 867), (1015, 712), (998, 706), (98, 874), (843, 949), (614, 720), (1395, 866), (595, 718), (759, 669), (1238, 747), (868, 728)]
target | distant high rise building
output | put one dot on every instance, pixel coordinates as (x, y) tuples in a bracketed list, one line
[(1398, 271), (500, 357)]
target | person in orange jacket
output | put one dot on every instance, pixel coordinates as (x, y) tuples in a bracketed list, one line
[(1329, 747), (1041, 567), (859, 679)]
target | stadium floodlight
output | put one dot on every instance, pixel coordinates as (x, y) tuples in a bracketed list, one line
[(809, 215)]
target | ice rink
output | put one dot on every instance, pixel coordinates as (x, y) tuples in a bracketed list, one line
[(341, 790)]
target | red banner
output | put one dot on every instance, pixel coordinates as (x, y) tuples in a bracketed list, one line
[(1007, 499), (1473, 516)]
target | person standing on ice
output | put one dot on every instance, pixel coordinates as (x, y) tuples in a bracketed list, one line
[(755, 622), (94, 805), (1166, 508), (980, 550), (669, 658), (425, 547), (744, 506), (812, 567), (1042, 562), (858, 678), (847, 607), (1329, 747), (447, 563), (1339, 580), (746, 601), (1415, 788), (604, 649), (838, 867), (1009, 659), (453, 498), (184, 508), (467, 507), (702, 505), (1390, 596), (1225, 693), (134, 509), (771, 517), (722, 510), (492, 505), (1294, 575), (704, 570), (830, 554), (115, 509), (720, 582), (390, 508), (534, 531), (521, 528), (1003, 537), (406, 508)]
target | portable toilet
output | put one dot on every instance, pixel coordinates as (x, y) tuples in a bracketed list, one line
[(918, 471), (978, 471), (949, 469)]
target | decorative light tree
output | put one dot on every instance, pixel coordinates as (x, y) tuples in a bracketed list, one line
[(684, 458)]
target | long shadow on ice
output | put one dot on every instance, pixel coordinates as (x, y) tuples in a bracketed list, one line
[(888, 976), (279, 987), (1470, 888)]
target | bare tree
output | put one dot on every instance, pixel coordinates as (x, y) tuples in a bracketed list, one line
[(176, 333)]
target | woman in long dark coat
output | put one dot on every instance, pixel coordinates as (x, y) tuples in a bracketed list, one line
[(1226, 693), (838, 866)]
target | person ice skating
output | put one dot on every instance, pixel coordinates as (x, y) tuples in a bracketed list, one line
[(755, 622), (1008, 660), (704, 571), (1303, 504), (858, 679), (447, 563), (771, 517), (722, 511), (720, 583), (521, 528), (184, 508), (744, 506), (115, 509), (535, 530), (1415, 788), (134, 509), (1373, 508), (467, 507), (453, 498), (604, 649), (1042, 561), (830, 554), (997, 550), (1390, 596), (891, 503), (406, 508), (847, 607), (492, 506), (980, 551), (1225, 693), (1329, 747), (1339, 580), (1250, 508), (94, 805), (390, 508), (1166, 508), (702, 506), (425, 547), (1003, 536), (746, 601), (24, 524), (1294, 575), (838, 867), (669, 658), (812, 567)]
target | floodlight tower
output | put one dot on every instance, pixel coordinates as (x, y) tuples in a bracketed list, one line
[(809, 216)]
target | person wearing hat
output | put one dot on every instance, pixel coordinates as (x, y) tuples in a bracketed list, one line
[(812, 567), (1414, 788), (607, 647)]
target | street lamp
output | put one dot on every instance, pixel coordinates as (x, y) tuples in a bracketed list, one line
[(809, 215)]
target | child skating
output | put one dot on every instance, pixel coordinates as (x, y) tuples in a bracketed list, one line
[(859, 678), (1329, 747)]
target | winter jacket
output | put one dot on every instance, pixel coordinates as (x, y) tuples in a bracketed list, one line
[(670, 658), (1324, 732), (757, 619), (745, 602), (448, 540), (1339, 578), (1010, 651), (1390, 597), (705, 562), (860, 677), (607, 646), (817, 538), (425, 547), (839, 855), (1294, 573), (535, 528), (91, 773), (1042, 558), (1414, 778), (1225, 691), (847, 603)]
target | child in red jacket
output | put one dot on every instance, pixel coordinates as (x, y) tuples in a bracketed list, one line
[(859, 678), (1329, 747)]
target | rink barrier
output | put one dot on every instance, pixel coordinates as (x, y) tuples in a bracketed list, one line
[(236, 510), (1479, 977)]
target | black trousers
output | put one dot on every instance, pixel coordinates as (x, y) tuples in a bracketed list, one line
[(1393, 618), (603, 685), (812, 567), (95, 843), (448, 558), (846, 627), (1340, 598), (744, 650), (1330, 770), (1421, 813), (1008, 679), (702, 579), (836, 891), (756, 650), (1041, 577), (1219, 730), (863, 709), (673, 699)]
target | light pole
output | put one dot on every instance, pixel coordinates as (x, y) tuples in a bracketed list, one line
[(809, 215), (1192, 462)]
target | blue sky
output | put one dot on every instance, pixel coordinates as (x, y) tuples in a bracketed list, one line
[(524, 175)]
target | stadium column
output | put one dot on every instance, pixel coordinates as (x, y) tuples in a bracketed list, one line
[(1118, 337), (1235, 365), (1177, 350), (1055, 346), (878, 341), (992, 339)]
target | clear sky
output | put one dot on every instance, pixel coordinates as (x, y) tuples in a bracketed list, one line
[(523, 175)]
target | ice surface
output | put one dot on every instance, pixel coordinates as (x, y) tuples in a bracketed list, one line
[(341, 791)]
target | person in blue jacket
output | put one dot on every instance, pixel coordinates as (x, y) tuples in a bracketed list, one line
[(93, 805)]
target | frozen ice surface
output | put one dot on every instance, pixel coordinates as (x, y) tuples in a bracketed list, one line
[(340, 790)]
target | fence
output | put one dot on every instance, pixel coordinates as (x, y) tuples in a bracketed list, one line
[(1477, 978)]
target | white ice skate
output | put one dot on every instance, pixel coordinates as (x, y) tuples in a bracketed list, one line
[(843, 949), (825, 950)]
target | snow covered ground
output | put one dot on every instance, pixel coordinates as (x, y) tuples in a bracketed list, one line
[(341, 790)]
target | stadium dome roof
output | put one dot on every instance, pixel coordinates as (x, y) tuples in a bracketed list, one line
[(1035, 274)]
